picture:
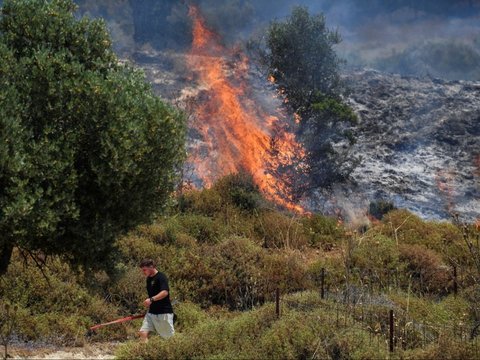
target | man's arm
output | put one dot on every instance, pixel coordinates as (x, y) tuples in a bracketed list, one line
[(162, 294)]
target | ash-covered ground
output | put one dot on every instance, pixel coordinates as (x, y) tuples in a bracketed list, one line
[(420, 142)]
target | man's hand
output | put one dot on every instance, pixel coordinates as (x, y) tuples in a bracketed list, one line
[(147, 303)]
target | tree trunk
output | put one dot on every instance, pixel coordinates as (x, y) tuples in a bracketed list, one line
[(5, 255)]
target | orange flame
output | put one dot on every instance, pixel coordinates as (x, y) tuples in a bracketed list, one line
[(238, 133)]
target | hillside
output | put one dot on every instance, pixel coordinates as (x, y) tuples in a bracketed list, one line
[(420, 142), (226, 251)]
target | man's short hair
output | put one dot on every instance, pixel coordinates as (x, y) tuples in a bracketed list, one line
[(147, 263)]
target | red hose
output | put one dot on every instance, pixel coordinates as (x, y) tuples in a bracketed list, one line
[(128, 318)]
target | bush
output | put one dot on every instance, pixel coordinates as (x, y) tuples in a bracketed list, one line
[(302, 331), (287, 271), (446, 348), (134, 248), (155, 233), (425, 268), (334, 272), (129, 290), (202, 228), (276, 230), (54, 305), (323, 231), (189, 315), (240, 190), (376, 259), (235, 273), (206, 202), (407, 228)]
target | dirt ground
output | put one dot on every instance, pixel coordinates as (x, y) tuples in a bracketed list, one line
[(88, 351)]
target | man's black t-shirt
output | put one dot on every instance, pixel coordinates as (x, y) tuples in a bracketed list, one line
[(155, 284)]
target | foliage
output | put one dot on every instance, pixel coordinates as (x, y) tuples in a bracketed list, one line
[(301, 59), (235, 190), (328, 137), (425, 268), (323, 231), (204, 229), (277, 230), (301, 332), (53, 303), (87, 150), (240, 190), (376, 259)]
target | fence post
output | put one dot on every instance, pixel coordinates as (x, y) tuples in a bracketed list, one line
[(455, 283), (277, 302), (322, 283), (391, 331)]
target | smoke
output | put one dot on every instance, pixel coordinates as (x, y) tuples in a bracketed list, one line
[(400, 36)]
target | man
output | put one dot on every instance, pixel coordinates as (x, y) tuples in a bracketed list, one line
[(159, 317)]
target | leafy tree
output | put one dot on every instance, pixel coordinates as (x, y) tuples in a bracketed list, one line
[(301, 58), (86, 149)]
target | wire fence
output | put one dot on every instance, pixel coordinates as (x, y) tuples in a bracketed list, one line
[(387, 324)]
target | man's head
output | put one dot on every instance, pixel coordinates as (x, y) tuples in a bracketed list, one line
[(148, 267)]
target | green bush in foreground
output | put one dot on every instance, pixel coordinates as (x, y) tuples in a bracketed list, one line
[(303, 330), (54, 306)]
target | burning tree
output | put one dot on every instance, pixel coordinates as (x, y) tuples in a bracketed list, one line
[(302, 62)]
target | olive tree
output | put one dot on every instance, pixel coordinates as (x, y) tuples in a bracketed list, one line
[(87, 151)]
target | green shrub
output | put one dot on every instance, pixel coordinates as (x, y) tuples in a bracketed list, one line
[(355, 344), (286, 270), (54, 305), (442, 237), (134, 248), (202, 228), (293, 336), (303, 330), (240, 190), (426, 270), (154, 233), (323, 231), (334, 272), (376, 258), (206, 202), (276, 230), (189, 315), (445, 348), (236, 273), (129, 290)]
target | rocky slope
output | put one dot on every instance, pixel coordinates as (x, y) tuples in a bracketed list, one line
[(420, 142)]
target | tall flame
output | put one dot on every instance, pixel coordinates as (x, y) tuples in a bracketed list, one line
[(238, 132)]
